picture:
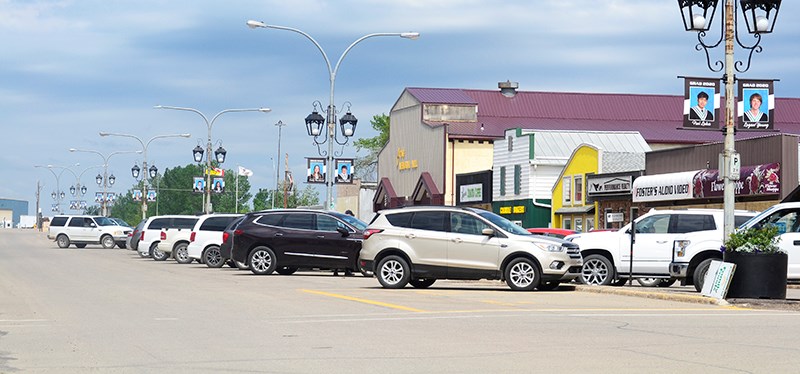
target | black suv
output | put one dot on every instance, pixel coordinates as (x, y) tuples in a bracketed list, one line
[(285, 240)]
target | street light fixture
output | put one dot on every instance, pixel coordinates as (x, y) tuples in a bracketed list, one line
[(135, 170), (99, 179), (220, 153), (56, 195), (105, 180), (314, 120), (760, 19), (153, 171), (72, 190)]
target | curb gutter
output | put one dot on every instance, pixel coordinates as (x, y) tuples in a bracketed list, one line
[(651, 294)]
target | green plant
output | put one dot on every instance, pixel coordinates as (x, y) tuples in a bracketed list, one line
[(754, 240)]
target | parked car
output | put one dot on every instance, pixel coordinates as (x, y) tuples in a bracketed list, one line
[(150, 234), (174, 240), (225, 248), (692, 253), (133, 238), (419, 245), (205, 239), (607, 255), (82, 230), (286, 240), (550, 231)]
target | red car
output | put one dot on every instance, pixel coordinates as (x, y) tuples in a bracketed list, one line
[(552, 232)]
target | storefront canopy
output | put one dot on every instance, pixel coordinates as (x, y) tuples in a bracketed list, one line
[(672, 186)]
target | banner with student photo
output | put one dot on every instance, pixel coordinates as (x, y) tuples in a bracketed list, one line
[(98, 197), (151, 196), (82, 205), (701, 103), (218, 185), (111, 197), (344, 170), (137, 195), (198, 184), (756, 105), (316, 170), (73, 204)]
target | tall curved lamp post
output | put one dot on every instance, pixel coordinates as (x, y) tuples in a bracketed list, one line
[(135, 170), (314, 120), (219, 154), (105, 180), (759, 16), (57, 194)]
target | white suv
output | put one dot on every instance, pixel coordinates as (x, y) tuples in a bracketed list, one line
[(419, 245), (151, 232), (83, 230), (205, 239), (607, 254)]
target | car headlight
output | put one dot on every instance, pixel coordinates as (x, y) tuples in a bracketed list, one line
[(549, 247), (679, 247)]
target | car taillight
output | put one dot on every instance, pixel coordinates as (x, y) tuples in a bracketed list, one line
[(238, 232), (192, 236), (369, 232), (163, 236), (141, 237), (225, 236)]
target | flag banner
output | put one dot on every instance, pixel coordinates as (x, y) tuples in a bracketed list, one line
[(246, 172), (701, 104), (215, 172), (344, 170), (316, 170), (756, 105)]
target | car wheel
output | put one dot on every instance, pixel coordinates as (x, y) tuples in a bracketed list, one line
[(182, 254), (262, 261), (286, 270), (700, 274), (212, 257), (159, 255), (82, 245), (548, 285), (393, 272), (62, 241), (648, 282), (107, 241), (667, 282), (597, 270), (422, 282), (522, 274)]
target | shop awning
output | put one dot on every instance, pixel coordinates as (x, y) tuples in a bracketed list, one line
[(575, 209), (661, 187)]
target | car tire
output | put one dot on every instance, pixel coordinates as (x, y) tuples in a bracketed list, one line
[(522, 274), (107, 241), (181, 254), (548, 285), (262, 261), (648, 282), (597, 271), (212, 257), (700, 273), (286, 270), (62, 241), (393, 272), (82, 245), (159, 255), (422, 282), (667, 282)]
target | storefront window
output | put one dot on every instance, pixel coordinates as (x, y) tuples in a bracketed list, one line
[(567, 223), (589, 223), (608, 224), (579, 224), (566, 190), (578, 190)]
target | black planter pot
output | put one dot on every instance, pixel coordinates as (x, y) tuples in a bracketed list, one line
[(758, 276)]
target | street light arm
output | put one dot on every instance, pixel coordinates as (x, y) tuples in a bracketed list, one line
[(406, 35), (208, 123), (264, 110), (257, 24)]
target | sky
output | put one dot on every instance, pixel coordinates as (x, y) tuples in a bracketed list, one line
[(70, 69)]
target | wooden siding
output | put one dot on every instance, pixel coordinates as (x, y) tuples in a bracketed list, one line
[(519, 155)]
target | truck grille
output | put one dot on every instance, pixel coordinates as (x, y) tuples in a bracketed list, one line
[(572, 250)]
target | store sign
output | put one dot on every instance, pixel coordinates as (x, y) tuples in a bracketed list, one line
[(615, 217), (471, 193), (402, 163), (602, 185), (519, 209), (672, 186), (505, 210)]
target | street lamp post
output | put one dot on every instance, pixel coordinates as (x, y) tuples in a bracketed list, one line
[(220, 153), (78, 190), (314, 120), (105, 179), (280, 125), (57, 195), (760, 19), (135, 171)]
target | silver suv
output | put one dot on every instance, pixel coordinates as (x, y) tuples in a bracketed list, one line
[(419, 245)]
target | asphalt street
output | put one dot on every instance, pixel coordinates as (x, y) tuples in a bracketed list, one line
[(99, 310)]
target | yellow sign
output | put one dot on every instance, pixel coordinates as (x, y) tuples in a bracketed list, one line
[(505, 210), (215, 172), (519, 209), (404, 164)]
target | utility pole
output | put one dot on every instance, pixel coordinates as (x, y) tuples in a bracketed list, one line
[(286, 183), (38, 210)]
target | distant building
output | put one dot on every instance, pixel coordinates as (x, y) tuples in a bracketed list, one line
[(11, 210)]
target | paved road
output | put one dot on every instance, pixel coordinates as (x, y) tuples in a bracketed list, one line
[(81, 310)]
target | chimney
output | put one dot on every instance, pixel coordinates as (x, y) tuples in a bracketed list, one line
[(508, 88)]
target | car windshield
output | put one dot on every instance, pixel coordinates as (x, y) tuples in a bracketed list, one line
[(353, 221), (502, 223), (103, 221)]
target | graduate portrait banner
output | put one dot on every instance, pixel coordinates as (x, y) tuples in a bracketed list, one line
[(756, 105), (316, 170), (344, 170), (701, 104)]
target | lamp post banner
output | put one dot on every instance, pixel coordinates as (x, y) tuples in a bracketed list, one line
[(701, 103), (344, 170), (218, 185), (198, 184), (98, 197), (316, 170), (151, 196), (137, 195), (756, 106)]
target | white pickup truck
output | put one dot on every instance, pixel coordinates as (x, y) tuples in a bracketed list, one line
[(693, 252), (607, 254)]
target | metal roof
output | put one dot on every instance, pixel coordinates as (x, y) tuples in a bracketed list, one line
[(555, 147)]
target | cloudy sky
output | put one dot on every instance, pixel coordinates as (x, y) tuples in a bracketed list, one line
[(70, 69)]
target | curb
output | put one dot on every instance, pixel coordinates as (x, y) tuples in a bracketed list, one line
[(651, 295)]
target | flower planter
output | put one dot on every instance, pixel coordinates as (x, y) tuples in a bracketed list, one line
[(758, 275)]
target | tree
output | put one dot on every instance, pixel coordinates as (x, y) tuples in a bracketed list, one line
[(366, 166), (307, 197)]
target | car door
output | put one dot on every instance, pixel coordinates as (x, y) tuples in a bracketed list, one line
[(296, 241), (652, 249), (336, 250), (470, 254), (788, 222), (428, 238), (78, 230)]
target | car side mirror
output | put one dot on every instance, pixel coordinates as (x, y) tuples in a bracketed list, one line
[(487, 232), (92, 224), (343, 231)]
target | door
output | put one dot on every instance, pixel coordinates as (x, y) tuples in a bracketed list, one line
[(652, 251), (470, 254), (428, 240), (297, 242), (333, 248)]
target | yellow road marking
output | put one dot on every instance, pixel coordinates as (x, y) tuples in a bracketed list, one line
[(365, 301)]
